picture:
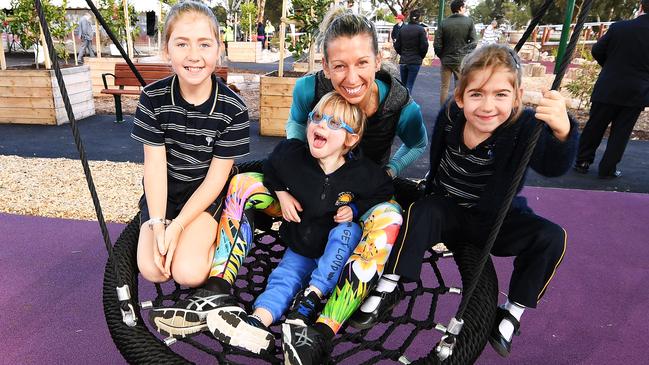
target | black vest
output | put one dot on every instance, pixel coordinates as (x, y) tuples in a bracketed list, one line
[(381, 128)]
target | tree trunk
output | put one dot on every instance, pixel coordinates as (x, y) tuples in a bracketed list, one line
[(261, 4)]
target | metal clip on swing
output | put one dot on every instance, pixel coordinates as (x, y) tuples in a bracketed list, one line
[(444, 348), (125, 306)]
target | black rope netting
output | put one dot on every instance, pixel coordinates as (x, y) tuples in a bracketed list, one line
[(389, 340), (411, 325)]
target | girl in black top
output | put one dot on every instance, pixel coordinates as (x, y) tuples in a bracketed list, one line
[(477, 144)]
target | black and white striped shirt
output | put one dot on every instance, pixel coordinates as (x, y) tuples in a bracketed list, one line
[(463, 173), (192, 134)]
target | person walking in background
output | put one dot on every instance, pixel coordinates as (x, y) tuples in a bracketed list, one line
[(397, 27), (270, 31), (491, 33), (620, 93), (412, 45), (86, 33), (454, 39), (228, 36), (261, 33)]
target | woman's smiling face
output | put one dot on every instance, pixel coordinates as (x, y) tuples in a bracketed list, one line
[(351, 65)]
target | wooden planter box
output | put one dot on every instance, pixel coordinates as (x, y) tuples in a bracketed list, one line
[(244, 51), (276, 96), (33, 96), (100, 66)]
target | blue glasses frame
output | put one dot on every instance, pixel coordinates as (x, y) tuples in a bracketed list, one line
[(332, 123)]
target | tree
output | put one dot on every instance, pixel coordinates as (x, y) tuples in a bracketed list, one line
[(248, 19), (406, 6), (25, 24), (602, 10)]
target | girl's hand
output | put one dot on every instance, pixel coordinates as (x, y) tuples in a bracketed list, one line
[(159, 246), (172, 233), (344, 214), (552, 111), (290, 206)]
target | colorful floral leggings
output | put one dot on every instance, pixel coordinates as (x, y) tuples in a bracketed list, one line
[(361, 272)]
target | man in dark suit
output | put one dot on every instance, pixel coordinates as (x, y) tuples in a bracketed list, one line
[(412, 45), (620, 93), (454, 39)]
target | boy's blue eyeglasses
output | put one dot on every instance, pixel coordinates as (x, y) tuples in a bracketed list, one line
[(332, 123)]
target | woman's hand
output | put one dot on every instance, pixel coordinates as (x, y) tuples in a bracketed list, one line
[(552, 110), (290, 206), (344, 214), (172, 233)]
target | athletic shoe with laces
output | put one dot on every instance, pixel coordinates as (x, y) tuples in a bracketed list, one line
[(241, 330), (303, 345), (305, 308), (188, 316)]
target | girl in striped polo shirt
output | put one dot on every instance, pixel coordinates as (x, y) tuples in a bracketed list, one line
[(192, 127)]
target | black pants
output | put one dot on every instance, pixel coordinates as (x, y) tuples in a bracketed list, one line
[(537, 243), (622, 120)]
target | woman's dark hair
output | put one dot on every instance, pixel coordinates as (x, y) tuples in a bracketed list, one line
[(415, 15), (456, 5), (342, 22)]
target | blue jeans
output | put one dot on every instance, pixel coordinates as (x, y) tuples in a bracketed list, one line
[(408, 75), (293, 272)]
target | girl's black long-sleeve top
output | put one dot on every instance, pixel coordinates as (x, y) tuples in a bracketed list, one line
[(359, 183)]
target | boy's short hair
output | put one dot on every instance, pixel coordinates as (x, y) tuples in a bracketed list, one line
[(456, 5), (349, 113)]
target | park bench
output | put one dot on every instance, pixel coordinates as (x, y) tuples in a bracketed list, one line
[(150, 72)]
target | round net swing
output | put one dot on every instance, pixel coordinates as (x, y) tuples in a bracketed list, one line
[(412, 329), (407, 332)]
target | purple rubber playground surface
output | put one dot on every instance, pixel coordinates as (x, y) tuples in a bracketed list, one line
[(595, 310)]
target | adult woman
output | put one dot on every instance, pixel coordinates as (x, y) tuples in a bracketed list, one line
[(352, 67)]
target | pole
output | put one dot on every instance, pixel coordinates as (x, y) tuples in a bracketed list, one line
[(440, 15), (127, 23), (48, 62), (565, 33), (159, 28), (74, 48), (250, 26), (3, 62), (282, 40), (235, 27), (98, 37)]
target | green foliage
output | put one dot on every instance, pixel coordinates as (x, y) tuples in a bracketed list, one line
[(308, 14), (508, 10), (582, 87), (385, 15), (113, 13), (221, 14), (248, 18), (602, 10), (25, 25)]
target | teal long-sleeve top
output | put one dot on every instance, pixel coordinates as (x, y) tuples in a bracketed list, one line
[(410, 127)]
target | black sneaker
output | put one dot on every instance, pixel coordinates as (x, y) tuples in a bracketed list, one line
[(388, 300), (241, 330), (305, 308), (303, 345), (503, 346), (187, 316)]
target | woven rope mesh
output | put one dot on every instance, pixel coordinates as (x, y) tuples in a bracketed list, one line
[(409, 330)]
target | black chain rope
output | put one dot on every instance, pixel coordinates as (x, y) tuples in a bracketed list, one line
[(533, 23), (75, 129), (520, 171)]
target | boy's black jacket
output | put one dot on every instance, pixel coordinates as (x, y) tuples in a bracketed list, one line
[(551, 158), (359, 182)]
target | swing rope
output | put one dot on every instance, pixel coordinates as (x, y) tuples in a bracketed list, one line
[(446, 345)]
